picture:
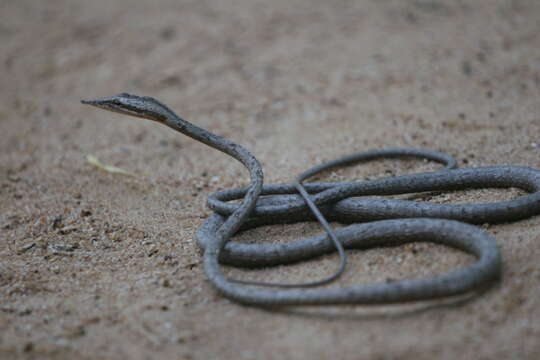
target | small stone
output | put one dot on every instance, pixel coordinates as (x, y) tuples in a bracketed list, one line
[(57, 222), (67, 229), (85, 212), (466, 68), (26, 247), (152, 251), (168, 33), (64, 248)]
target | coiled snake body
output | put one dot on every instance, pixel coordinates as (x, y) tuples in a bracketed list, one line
[(392, 222)]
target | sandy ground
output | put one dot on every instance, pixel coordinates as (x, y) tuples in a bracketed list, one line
[(96, 265)]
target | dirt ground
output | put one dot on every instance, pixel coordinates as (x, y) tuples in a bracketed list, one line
[(95, 265)]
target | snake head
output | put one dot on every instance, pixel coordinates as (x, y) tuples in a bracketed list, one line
[(140, 106)]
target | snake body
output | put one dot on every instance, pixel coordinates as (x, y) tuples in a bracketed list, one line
[(392, 222)]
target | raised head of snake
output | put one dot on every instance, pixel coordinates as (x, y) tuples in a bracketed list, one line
[(149, 108), (140, 106)]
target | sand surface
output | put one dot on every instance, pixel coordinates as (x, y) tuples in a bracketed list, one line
[(95, 265)]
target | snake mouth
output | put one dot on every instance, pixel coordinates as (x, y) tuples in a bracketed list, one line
[(111, 104)]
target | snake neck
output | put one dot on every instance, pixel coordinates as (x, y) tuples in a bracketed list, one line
[(238, 152)]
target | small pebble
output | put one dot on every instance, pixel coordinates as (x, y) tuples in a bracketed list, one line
[(67, 229), (85, 212), (25, 248)]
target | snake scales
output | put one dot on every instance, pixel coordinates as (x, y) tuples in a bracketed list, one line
[(384, 221)]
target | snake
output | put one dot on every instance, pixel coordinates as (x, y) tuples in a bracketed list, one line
[(376, 222)]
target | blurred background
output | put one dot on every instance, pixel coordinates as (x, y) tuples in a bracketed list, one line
[(97, 265)]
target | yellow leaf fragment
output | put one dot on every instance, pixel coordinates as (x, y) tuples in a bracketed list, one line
[(111, 169)]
